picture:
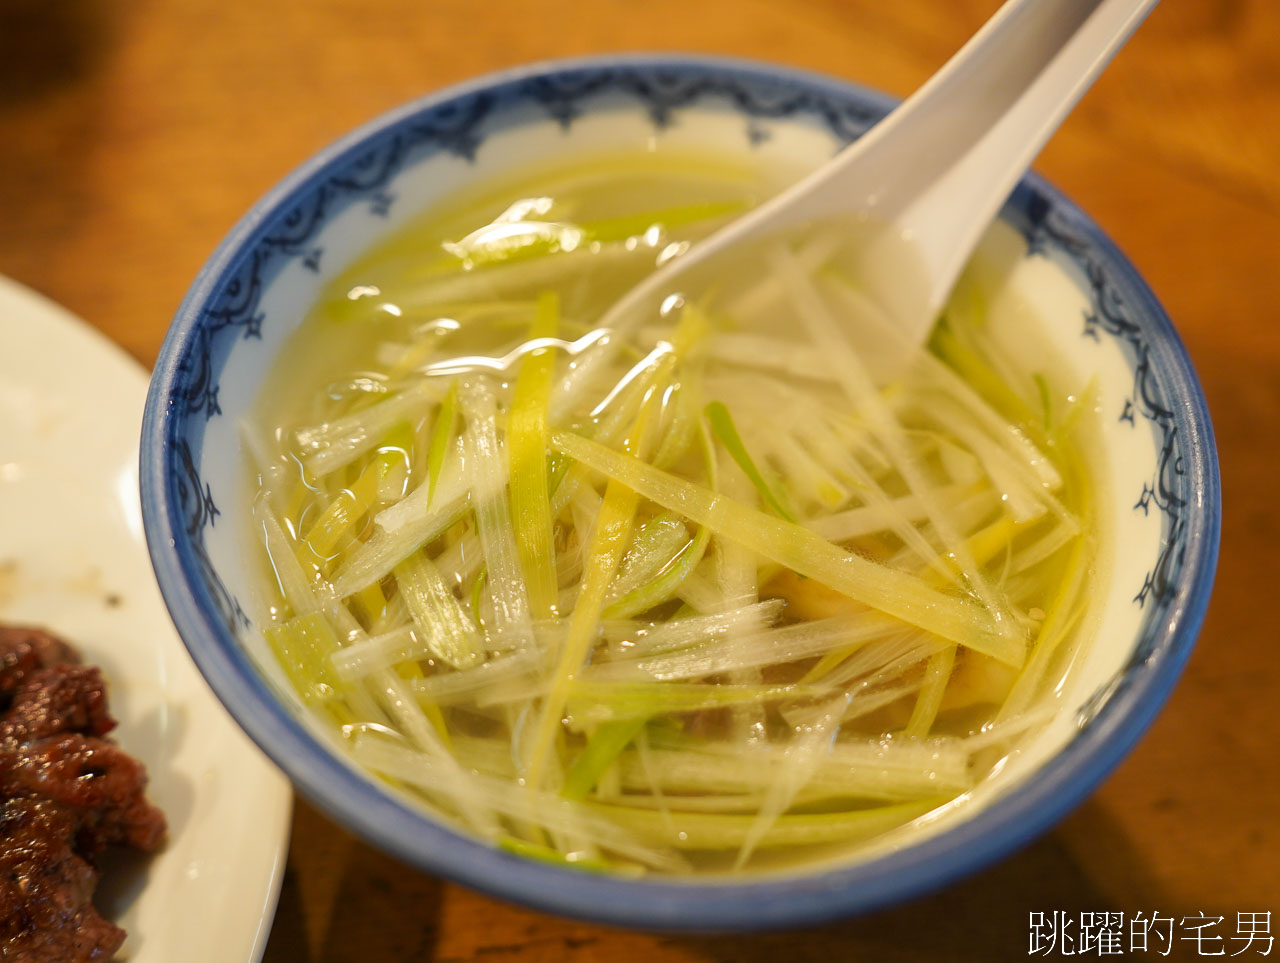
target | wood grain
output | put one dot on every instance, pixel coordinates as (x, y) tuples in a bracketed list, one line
[(134, 135)]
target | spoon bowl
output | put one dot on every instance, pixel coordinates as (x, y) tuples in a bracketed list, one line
[(924, 183)]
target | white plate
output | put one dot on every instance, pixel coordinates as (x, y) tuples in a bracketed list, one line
[(73, 559)]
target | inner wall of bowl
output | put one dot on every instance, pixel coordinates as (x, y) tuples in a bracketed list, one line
[(1044, 319), (520, 137)]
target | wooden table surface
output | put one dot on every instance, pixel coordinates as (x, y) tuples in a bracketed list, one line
[(133, 135)]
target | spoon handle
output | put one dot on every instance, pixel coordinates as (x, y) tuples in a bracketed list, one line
[(935, 172), (940, 166)]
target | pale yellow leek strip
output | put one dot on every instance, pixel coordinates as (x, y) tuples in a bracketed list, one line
[(929, 700), (507, 623), (609, 539), (414, 356), (1060, 620), (867, 520), (382, 616), (335, 444), (412, 673), (295, 579), (805, 753), (526, 445), (438, 615), (481, 792), (858, 385), (351, 504), (887, 768), (720, 831), (372, 602), (903, 596), (982, 547), (406, 712), (424, 728), (441, 439), (1066, 607), (828, 662), (304, 645)]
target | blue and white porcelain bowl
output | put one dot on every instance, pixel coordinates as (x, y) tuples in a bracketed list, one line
[(1160, 469)]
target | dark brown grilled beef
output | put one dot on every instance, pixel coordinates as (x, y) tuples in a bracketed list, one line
[(24, 650), (66, 794)]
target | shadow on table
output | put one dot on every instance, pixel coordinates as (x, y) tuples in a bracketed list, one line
[(46, 45), (344, 900), (52, 58)]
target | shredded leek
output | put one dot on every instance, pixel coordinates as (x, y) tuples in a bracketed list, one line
[(718, 588), (724, 429), (441, 436), (526, 444), (891, 592)]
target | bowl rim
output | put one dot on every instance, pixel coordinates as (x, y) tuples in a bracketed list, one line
[(1006, 824)]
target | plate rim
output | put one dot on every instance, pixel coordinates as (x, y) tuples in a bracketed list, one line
[(35, 307)]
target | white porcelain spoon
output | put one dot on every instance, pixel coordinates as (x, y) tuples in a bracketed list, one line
[(936, 170)]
